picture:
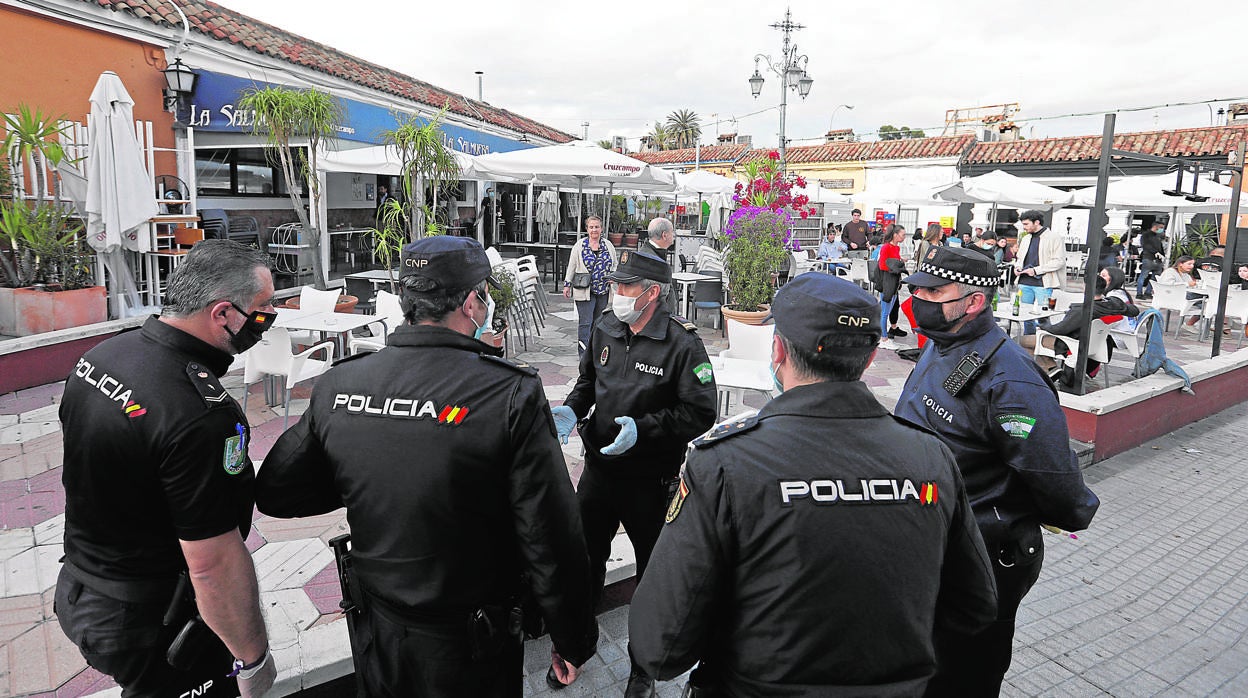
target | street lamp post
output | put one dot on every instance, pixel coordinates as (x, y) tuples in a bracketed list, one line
[(791, 71), (835, 110)]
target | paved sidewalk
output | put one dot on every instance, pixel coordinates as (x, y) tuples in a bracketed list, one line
[(300, 594), (1153, 600)]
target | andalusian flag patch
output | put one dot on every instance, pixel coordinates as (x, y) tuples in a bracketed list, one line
[(1017, 425), (704, 373)]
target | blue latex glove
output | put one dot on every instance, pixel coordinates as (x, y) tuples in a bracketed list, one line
[(626, 440), (565, 421)]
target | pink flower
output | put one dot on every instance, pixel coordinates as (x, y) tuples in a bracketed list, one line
[(805, 215), (773, 155)]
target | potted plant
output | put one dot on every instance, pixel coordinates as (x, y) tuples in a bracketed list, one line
[(426, 162), (283, 115), (45, 270), (758, 237), (504, 296)]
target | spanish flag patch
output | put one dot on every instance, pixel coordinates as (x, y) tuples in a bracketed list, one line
[(673, 509)]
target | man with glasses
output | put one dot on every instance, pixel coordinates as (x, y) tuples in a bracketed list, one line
[(648, 378), (444, 454), (159, 491), (985, 397)]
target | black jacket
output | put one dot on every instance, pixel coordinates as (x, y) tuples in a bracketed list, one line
[(778, 570), (1152, 246), (1069, 325), (661, 377), (1007, 432), (446, 459)]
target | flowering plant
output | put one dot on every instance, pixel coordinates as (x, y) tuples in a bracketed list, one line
[(759, 233)]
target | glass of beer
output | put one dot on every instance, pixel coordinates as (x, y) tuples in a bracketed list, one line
[(1052, 303)]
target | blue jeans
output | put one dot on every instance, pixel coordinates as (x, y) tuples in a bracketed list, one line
[(885, 308), (1148, 269), (586, 313), (1033, 294)]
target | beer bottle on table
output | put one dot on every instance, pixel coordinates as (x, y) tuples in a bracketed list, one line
[(1018, 302)]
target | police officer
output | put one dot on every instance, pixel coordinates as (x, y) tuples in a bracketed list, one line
[(790, 567), (647, 376), (997, 411), (158, 491), (445, 456)]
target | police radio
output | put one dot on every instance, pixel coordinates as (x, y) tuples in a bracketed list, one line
[(966, 370)]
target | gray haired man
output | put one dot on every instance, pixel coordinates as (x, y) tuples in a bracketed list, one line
[(660, 236)]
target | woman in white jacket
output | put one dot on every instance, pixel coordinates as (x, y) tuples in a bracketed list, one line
[(590, 262)]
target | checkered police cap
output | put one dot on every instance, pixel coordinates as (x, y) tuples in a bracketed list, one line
[(944, 265)]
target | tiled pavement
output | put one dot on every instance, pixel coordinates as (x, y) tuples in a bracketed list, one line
[(1162, 610)]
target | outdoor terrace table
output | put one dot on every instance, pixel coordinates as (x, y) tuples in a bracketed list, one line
[(686, 279), (1027, 313), (326, 323), (740, 375)]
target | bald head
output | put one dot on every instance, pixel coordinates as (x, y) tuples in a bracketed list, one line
[(661, 233)]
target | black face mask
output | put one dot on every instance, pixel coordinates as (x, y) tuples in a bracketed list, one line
[(257, 324), (930, 315)]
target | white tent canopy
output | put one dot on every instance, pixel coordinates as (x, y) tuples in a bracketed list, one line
[(819, 195), (1144, 193), (1003, 189), (384, 160), (897, 194), (576, 163), (704, 182)]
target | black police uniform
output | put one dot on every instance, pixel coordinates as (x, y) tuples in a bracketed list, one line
[(1008, 434), (446, 459), (155, 451), (816, 575), (662, 378)]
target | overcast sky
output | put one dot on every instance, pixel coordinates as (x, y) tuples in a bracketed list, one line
[(622, 65)]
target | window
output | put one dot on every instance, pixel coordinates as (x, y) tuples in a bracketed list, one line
[(238, 172)]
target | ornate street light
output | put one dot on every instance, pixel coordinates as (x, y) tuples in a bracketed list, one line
[(791, 71), (180, 81)]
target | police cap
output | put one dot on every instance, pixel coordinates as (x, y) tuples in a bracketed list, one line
[(635, 266), (947, 265), (815, 305), (452, 263)]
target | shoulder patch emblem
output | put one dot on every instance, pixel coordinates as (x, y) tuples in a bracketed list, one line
[(725, 430), (602, 358), (704, 372), (208, 386), (1017, 425), (235, 456), (511, 363), (678, 500), (685, 324)]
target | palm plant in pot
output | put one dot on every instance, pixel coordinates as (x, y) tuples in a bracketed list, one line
[(758, 236), (504, 296)]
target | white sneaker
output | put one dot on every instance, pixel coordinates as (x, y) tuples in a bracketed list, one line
[(890, 345)]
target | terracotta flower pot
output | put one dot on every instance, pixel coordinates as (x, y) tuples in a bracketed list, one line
[(630, 240), (345, 304), (746, 317), (615, 239)]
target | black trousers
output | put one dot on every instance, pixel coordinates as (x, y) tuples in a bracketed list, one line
[(606, 501), (128, 642), (400, 660), (975, 666)]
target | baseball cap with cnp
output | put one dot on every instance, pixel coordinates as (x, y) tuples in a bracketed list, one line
[(947, 265), (815, 305), (452, 263), (635, 266)]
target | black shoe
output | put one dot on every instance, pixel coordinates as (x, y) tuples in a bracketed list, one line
[(897, 332), (553, 681), (911, 354), (639, 685)]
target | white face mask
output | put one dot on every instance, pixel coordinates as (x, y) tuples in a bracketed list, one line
[(487, 324), (622, 306)]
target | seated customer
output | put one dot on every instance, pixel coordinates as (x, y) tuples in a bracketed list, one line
[(1181, 274), (1115, 278), (1107, 309)]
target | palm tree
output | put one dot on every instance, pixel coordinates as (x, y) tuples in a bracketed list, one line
[(685, 128), (659, 137), (605, 144)]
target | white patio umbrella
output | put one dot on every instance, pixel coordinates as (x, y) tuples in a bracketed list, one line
[(703, 182), (1003, 189), (721, 209), (1144, 193), (119, 198)]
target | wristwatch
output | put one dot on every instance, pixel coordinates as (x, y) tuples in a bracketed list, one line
[(244, 671)]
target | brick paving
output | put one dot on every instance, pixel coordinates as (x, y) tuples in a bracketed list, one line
[(1163, 612)]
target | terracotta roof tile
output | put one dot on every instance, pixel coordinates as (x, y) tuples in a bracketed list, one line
[(224, 24), (1186, 142), (908, 148), (710, 153)]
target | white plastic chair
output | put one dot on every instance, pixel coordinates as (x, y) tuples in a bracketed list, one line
[(389, 308), (315, 301), (1066, 298), (493, 256), (1098, 349), (1173, 297), (748, 341), (1236, 309), (858, 272), (1133, 343), (271, 357)]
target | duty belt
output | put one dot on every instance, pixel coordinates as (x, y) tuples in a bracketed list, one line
[(136, 591)]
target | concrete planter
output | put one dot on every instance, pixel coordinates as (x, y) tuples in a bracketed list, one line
[(27, 311)]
